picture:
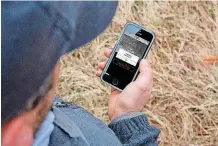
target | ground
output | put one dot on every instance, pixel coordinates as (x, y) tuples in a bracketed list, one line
[(184, 104)]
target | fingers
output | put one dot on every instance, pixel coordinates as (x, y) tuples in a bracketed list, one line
[(101, 65), (107, 53), (98, 73), (144, 65), (115, 91)]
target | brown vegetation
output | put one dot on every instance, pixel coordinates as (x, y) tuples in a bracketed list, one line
[(185, 93)]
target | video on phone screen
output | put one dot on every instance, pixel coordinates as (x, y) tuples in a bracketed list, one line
[(130, 50)]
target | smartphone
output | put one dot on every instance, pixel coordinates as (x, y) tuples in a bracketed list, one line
[(122, 66)]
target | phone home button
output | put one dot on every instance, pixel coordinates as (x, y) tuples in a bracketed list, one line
[(115, 81)]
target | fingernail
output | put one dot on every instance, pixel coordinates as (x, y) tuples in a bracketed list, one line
[(143, 61)]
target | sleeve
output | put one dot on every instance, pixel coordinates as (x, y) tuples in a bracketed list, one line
[(134, 130)]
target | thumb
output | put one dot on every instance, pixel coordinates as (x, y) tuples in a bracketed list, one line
[(144, 65), (145, 75)]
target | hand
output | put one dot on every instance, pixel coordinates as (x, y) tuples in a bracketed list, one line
[(134, 97)]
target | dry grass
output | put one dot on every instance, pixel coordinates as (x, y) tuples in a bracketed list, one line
[(185, 93)]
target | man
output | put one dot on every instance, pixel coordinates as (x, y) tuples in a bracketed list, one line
[(34, 36)]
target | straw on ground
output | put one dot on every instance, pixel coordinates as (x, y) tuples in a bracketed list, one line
[(185, 93)]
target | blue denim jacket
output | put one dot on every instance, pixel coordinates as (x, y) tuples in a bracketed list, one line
[(75, 126)]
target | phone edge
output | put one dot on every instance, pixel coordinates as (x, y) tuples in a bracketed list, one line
[(148, 50)]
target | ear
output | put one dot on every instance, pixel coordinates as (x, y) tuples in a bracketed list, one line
[(16, 133)]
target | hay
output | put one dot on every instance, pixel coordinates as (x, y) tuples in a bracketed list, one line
[(185, 93)]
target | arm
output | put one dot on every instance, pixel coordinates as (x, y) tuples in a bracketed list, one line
[(129, 125), (134, 129)]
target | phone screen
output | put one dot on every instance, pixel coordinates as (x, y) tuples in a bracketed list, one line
[(131, 48)]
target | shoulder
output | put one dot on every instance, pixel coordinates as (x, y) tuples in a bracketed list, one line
[(59, 137), (74, 122), (66, 131)]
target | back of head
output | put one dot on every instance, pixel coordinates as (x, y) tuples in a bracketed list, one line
[(35, 35)]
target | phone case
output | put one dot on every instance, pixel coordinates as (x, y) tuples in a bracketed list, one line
[(114, 50)]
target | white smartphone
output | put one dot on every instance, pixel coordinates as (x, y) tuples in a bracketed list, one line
[(122, 66)]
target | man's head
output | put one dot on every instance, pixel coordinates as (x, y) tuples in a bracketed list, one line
[(20, 129), (34, 36)]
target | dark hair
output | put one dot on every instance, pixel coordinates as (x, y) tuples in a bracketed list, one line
[(43, 90)]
